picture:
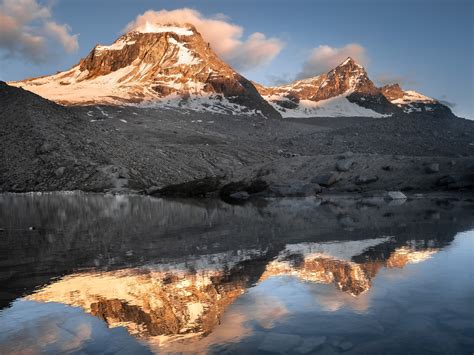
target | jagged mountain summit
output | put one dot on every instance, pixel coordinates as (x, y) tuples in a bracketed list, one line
[(344, 91), (347, 91), (164, 65)]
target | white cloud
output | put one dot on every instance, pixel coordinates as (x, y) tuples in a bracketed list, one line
[(27, 29), (226, 38), (61, 33), (325, 58)]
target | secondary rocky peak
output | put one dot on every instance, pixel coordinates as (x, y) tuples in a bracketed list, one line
[(345, 90), (412, 102), (349, 61), (392, 91), (346, 77)]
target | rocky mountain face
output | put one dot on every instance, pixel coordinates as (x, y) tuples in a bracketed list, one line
[(392, 92), (353, 274), (412, 102), (163, 301), (348, 91), (168, 66), (344, 91)]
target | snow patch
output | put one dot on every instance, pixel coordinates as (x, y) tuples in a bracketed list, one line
[(117, 45), (201, 103), (103, 112), (411, 96), (416, 256), (156, 28), (338, 106), (185, 57)]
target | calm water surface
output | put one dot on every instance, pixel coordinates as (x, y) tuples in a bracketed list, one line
[(84, 273)]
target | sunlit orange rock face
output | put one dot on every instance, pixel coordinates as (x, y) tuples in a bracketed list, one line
[(144, 67), (403, 256), (170, 62), (348, 80), (149, 304), (191, 309), (348, 76), (154, 301), (392, 92), (346, 276), (169, 302)]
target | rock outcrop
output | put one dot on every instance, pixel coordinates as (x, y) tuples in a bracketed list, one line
[(414, 103)]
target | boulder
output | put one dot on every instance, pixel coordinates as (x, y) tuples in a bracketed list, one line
[(396, 195), (344, 165), (458, 181), (398, 202), (240, 195), (326, 180), (59, 171), (353, 188), (45, 148), (373, 201), (432, 168), (152, 190), (346, 155), (253, 187), (446, 180), (366, 179), (287, 154), (316, 188)]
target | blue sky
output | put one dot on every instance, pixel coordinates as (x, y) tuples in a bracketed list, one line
[(425, 45)]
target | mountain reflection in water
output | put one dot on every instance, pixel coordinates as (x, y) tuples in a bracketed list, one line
[(208, 276)]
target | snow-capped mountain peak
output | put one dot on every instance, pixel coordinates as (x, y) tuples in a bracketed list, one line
[(172, 67), (164, 65), (346, 78), (181, 30), (345, 90), (348, 61)]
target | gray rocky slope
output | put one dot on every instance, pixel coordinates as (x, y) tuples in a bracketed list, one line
[(47, 147)]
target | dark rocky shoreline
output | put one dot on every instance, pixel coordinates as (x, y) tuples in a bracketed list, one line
[(47, 147)]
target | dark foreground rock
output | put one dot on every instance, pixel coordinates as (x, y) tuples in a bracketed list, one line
[(177, 153), (195, 188)]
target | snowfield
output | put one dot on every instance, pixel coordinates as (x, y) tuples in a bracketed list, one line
[(338, 106)]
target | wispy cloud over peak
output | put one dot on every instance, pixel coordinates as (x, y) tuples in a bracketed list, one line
[(324, 58), (226, 39)]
